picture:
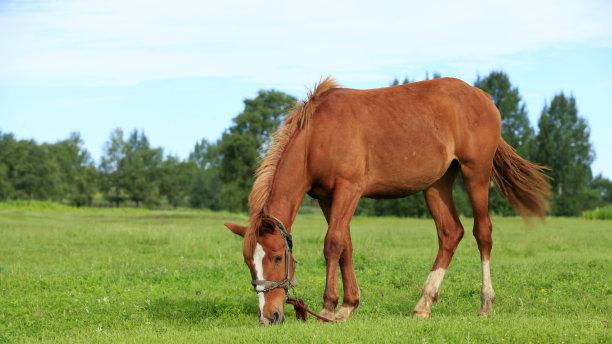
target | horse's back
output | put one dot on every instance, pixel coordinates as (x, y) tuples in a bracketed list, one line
[(398, 140)]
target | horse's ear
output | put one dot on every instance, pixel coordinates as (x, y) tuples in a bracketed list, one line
[(237, 229)]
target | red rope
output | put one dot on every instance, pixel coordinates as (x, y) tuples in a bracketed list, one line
[(301, 310)]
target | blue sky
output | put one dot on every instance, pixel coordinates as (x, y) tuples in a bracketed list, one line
[(179, 70)]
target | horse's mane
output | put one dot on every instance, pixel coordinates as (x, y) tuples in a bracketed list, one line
[(296, 120)]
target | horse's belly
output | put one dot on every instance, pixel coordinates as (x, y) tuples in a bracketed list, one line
[(406, 171)]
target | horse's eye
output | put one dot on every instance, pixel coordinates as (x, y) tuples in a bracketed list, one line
[(278, 259)]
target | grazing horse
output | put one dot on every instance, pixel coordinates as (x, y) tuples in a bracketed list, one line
[(344, 144)]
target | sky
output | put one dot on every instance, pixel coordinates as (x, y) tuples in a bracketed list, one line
[(180, 70)]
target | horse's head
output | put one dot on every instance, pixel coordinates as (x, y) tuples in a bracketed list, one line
[(267, 254)]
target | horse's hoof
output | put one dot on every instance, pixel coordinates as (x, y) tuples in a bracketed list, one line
[(486, 309), (421, 314), (327, 314), (484, 312), (343, 313), (486, 305)]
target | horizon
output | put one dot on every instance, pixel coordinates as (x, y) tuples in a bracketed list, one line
[(180, 73)]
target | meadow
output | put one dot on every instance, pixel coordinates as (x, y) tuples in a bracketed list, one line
[(135, 275)]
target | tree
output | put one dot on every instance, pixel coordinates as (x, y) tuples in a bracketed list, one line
[(205, 155), (77, 172), (111, 181), (238, 164), (140, 169), (261, 116), (243, 145), (46, 171), (206, 187), (603, 189), (6, 187), (435, 75), (175, 180), (84, 186), (30, 170), (563, 145)]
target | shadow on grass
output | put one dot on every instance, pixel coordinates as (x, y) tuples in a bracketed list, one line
[(192, 311)]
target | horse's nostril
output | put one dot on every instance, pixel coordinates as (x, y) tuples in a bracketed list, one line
[(275, 317)]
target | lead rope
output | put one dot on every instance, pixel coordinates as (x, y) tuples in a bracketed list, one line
[(301, 310)]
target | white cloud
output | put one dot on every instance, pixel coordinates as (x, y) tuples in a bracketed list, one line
[(126, 42)]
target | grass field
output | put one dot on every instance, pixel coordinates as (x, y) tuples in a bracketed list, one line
[(128, 275)]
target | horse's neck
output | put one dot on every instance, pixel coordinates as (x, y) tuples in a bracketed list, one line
[(291, 182)]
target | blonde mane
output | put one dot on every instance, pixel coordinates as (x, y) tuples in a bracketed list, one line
[(296, 120)]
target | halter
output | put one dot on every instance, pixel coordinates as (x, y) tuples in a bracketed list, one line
[(301, 310), (286, 283)]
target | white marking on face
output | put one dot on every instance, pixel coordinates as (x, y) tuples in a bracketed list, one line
[(258, 257)]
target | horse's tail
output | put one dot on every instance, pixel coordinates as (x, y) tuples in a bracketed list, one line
[(522, 182)]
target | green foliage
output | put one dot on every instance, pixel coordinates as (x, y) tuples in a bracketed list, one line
[(603, 213), (261, 116), (132, 169), (563, 145), (84, 187), (602, 188), (134, 275), (411, 206), (31, 170), (206, 187), (33, 205), (141, 167), (244, 144), (175, 180), (62, 171), (77, 171), (110, 170), (205, 191)]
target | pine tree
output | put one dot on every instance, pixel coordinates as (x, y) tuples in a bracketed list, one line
[(111, 173), (562, 144), (140, 169)]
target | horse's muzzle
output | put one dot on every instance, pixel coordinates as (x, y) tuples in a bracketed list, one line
[(276, 318)]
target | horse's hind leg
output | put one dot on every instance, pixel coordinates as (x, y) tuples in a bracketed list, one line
[(477, 176), (439, 199)]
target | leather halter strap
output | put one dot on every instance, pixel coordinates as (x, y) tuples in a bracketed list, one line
[(286, 283)]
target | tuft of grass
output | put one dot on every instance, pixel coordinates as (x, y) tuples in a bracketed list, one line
[(600, 213), (32, 205), (133, 275)]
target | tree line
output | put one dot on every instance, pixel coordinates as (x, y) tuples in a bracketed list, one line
[(218, 175)]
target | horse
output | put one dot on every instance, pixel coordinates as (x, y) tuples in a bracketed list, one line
[(342, 144)]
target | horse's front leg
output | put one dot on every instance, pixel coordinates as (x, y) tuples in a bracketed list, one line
[(338, 251), (349, 282)]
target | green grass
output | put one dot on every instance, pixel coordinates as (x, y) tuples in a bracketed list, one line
[(602, 213), (131, 275)]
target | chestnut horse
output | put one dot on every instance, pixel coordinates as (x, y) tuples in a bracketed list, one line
[(344, 144)]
